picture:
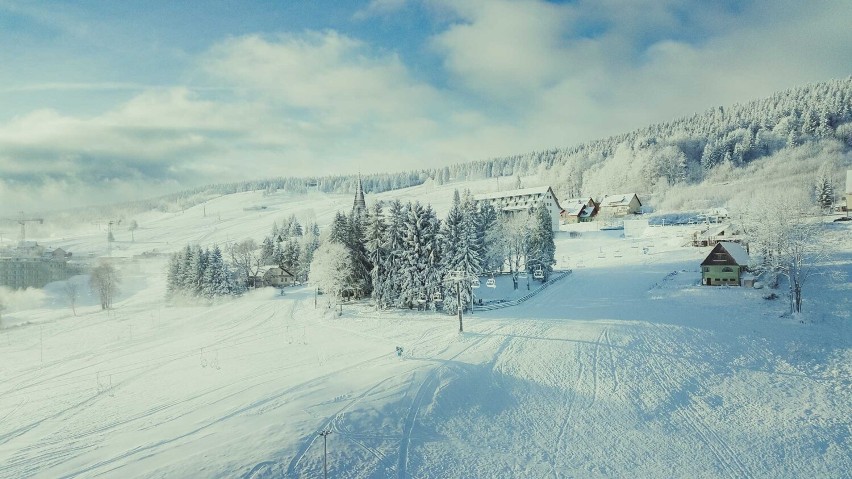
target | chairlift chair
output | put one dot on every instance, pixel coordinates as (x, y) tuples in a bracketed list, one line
[(491, 283), (437, 297), (522, 275), (475, 283), (538, 273), (421, 299)]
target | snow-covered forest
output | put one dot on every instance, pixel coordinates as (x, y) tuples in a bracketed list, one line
[(401, 255)]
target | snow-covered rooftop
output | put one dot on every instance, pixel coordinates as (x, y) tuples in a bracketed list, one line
[(618, 199), (539, 190), (736, 251)]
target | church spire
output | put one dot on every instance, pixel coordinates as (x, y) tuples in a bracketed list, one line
[(360, 206)]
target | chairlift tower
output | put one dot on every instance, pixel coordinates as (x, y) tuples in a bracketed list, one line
[(110, 237)]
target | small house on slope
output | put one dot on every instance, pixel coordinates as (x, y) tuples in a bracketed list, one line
[(620, 205), (578, 210), (725, 265), (278, 277)]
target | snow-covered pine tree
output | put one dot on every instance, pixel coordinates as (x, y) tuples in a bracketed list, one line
[(433, 251), (215, 276), (376, 248), (187, 273), (267, 250), (199, 266), (309, 246), (339, 230), (173, 275), (451, 236), (462, 251), (413, 267), (824, 187), (361, 264), (394, 243), (542, 249), (473, 234)]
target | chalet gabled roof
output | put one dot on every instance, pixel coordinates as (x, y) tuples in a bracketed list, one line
[(538, 190), (726, 253), (619, 200)]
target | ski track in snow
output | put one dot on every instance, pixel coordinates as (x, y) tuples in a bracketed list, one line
[(147, 368), (427, 389), (726, 458), (614, 372)]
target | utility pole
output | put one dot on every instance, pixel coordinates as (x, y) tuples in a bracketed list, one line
[(459, 277), (324, 435), (458, 292)]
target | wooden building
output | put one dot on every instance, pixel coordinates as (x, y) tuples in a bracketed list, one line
[(620, 205), (725, 265)]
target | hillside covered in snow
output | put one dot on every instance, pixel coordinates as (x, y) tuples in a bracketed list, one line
[(623, 366)]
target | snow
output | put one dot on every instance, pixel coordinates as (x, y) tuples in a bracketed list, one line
[(627, 367), (737, 252)]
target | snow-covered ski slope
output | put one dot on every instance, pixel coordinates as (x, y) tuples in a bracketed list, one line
[(625, 368)]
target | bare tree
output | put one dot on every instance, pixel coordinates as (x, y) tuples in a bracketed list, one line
[(104, 281), (72, 292), (246, 257), (329, 269), (786, 233)]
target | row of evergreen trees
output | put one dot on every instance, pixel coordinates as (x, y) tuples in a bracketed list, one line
[(291, 247), (200, 273), (405, 257)]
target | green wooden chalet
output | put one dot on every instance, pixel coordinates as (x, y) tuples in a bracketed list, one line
[(724, 265)]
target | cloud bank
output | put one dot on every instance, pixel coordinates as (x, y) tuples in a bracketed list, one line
[(512, 76)]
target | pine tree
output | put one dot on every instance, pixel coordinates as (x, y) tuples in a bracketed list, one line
[(361, 266), (542, 250), (187, 273), (434, 252), (376, 248), (173, 275), (460, 238), (394, 243), (413, 264)]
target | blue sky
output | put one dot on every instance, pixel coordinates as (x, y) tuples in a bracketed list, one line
[(107, 100)]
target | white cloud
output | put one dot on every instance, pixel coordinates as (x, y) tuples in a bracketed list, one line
[(522, 75), (380, 8), (582, 70)]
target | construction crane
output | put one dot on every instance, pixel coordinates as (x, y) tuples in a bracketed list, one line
[(23, 220)]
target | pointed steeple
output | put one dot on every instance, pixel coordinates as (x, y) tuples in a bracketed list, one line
[(360, 206)]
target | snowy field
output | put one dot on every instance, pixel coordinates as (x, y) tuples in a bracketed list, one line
[(626, 367)]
